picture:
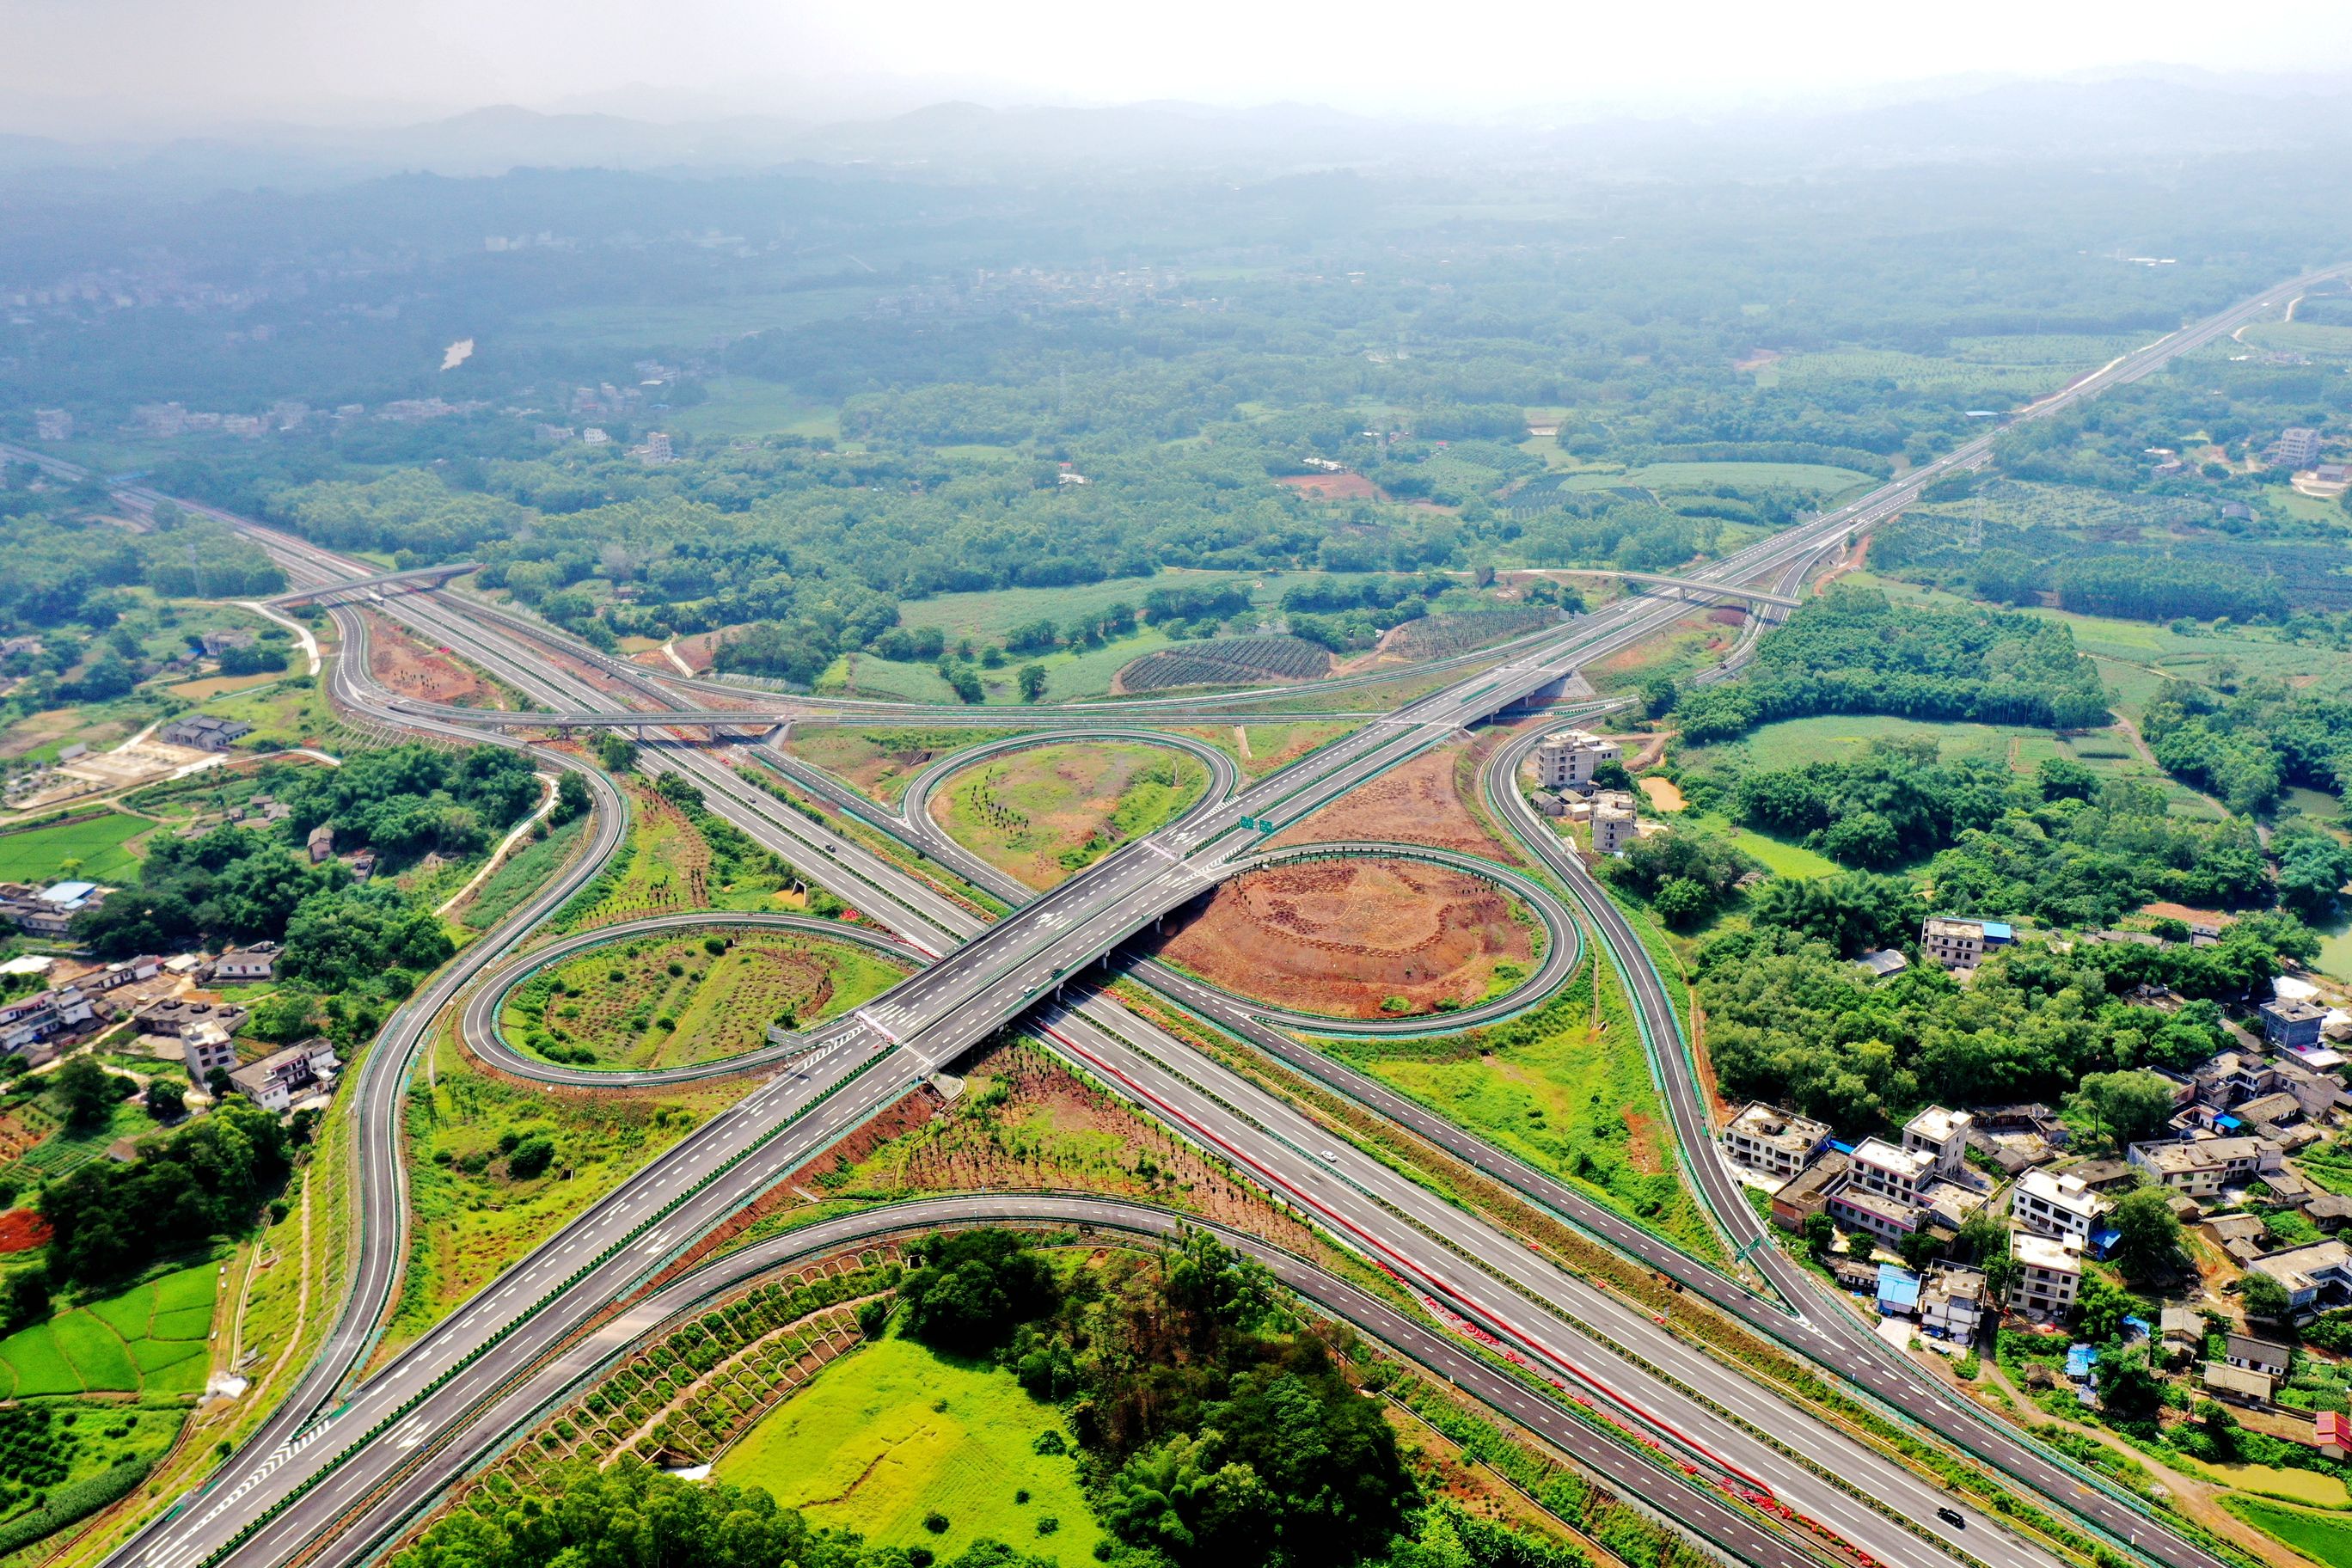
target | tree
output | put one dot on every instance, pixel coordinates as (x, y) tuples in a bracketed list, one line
[(531, 1158), (26, 1298), (617, 752), (2102, 1306), (571, 797), (2123, 1108), (86, 1092), (1682, 902), (1031, 679), (1820, 1234), (166, 1101), (2148, 1244), (971, 1288), (2262, 1296), (1658, 695), (2129, 1388)]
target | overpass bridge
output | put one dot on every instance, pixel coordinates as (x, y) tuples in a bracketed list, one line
[(1690, 588), (431, 575)]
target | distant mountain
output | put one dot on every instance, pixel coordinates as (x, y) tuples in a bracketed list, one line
[(2158, 113)]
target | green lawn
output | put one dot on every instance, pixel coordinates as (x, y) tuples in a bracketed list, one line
[(151, 1339), (1758, 476), (664, 1001), (2327, 1538), (1570, 1100), (97, 846), (1043, 813), (894, 1431)]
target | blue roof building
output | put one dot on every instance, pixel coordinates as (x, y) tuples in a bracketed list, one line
[(1898, 1291)]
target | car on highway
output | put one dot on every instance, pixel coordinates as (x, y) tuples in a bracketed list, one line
[(1952, 1517)]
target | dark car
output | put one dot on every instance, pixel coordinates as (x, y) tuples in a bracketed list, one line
[(1951, 1516)]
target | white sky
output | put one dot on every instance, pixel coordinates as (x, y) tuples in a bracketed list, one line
[(154, 62)]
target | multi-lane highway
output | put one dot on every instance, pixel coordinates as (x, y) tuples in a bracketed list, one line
[(280, 1495)]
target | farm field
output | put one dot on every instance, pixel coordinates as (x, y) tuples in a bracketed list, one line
[(894, 1431), (1570, 1098), (2003, 382), (97, 849), (475, 1214), (2303, 337), (151, 1340), (1358, 938), (744, 405), (1044, 814), (2138, 657), (663, 1002), (1223, 661), (2323, 1537), (882, 762)]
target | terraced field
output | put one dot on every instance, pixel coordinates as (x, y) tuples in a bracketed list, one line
[(152, 1339)]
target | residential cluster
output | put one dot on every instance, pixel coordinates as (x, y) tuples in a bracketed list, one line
[(173, 1008), (2225, 1160), (1566, 766)]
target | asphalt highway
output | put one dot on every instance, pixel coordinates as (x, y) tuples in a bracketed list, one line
[(299, 1489)]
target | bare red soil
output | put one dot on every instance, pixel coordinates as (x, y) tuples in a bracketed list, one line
[(1340, 937)]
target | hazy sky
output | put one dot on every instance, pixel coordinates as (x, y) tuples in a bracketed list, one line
[(78, 66)]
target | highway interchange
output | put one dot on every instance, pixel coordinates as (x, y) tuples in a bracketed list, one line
[(336, 1484)]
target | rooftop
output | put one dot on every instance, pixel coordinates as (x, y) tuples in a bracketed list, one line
[(2297, 1268), (2041, 1252), (2067, 1193), (1781, 1129), (1937, 1125), (1887, 1157)]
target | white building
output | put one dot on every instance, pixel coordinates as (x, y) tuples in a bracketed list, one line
[(1898, 1174), (206, 1048), (1773, 1142), (258, 961), (2050, 1276), (2201, 1169), (1942, 1135), (1567, 760), (1614, 823), (272, 1083), (1951, 1303), (2056, 1206), (1959, 943), (52, 425)]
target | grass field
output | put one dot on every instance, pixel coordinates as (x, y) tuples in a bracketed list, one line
[(2324, 1538), (151, 1340), (1044, 814), (523, 874), (741, 406), (666, 866), (894, 1431), (1570, 1098), (882, 760), (473, 1216), (659, 1002), (1271, 746), (96, 850), (2303, 337)]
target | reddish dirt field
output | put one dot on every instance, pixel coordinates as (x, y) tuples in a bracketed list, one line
[(21, 1230), (1340, 937), (696, 651), (408, 667), (1728, 616), (1420, 802), (1332, 487)]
